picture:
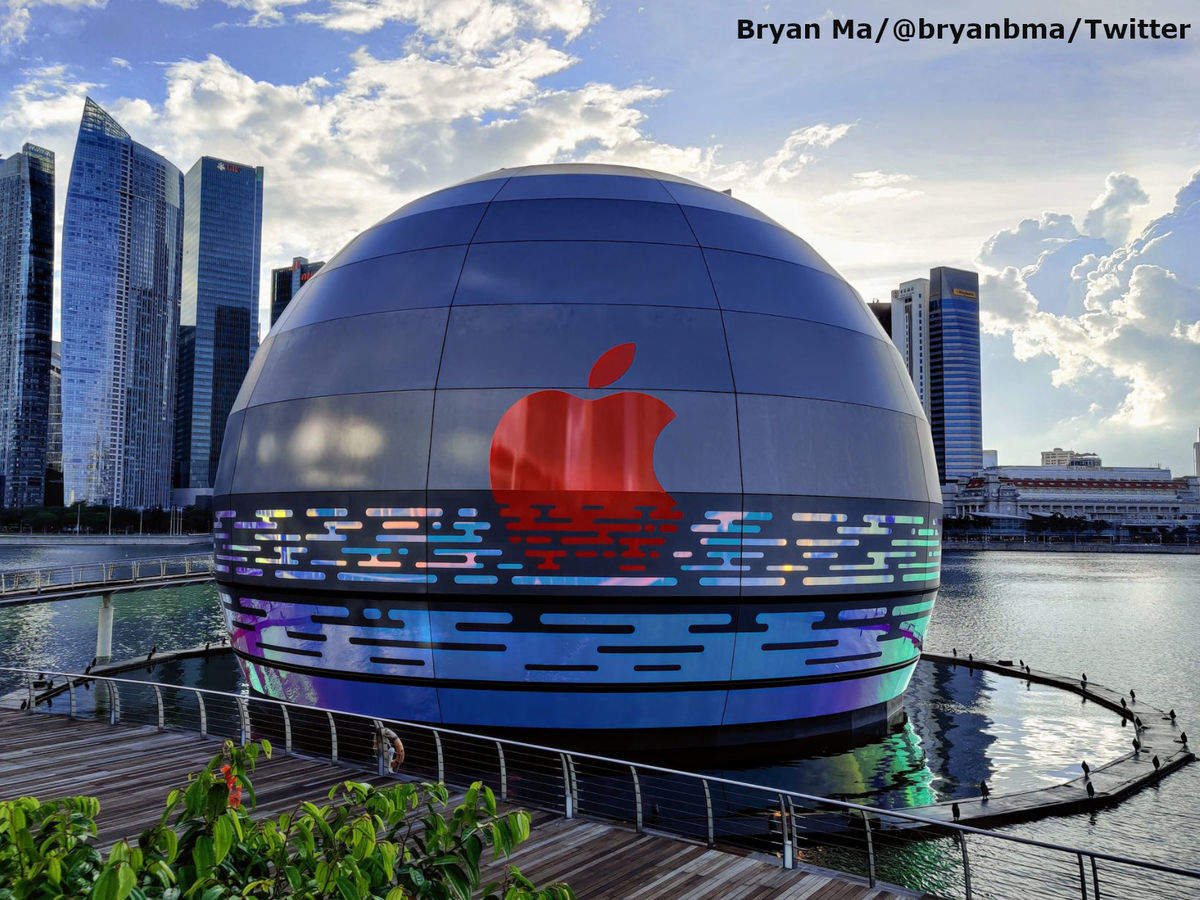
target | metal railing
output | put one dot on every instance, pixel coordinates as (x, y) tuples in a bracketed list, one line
[(889, 847), (111, 574)]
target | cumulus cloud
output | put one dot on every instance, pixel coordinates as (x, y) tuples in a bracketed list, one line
[(354, 147), (1109, 216), (1139, 322)]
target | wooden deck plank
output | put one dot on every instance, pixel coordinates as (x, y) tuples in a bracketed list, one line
[(131, 769)]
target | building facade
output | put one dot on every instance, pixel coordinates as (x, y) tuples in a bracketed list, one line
[(910, 333), (54, 477), (1196, 452), (1060, 457), (955, 409), (218, 316), (287, 281), (121, 275), (26, 312), (1123, 496)]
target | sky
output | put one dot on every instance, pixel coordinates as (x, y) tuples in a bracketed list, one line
[(1066, 174)]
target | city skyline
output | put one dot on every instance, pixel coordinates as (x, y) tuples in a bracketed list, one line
[(1047, 194)]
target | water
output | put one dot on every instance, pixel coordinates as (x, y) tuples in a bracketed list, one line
[(1128, 621)]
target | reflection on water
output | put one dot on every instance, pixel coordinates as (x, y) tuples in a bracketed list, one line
[(962, 726), (1129, 621)]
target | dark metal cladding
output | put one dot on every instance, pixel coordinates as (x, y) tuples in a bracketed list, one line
[(586, 449)]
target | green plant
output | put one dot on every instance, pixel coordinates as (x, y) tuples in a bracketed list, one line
[(387, 842)]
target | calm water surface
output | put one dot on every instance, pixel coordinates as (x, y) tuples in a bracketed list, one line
[(1128, 621)]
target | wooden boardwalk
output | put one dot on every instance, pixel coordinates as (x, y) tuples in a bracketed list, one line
[(131, 769)]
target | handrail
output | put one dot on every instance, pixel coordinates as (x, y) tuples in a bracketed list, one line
[(959, 829), (112, 571)]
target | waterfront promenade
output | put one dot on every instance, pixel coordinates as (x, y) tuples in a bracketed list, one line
[(131, 769)]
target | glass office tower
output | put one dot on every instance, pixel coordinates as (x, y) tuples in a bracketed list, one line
[(218, 319), (954, 388), (287, 281), (122, 263), (26, 310)]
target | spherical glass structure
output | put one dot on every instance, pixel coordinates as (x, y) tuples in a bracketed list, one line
[(581, 449)]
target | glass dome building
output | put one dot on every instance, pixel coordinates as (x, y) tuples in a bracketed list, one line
[(586, 450)]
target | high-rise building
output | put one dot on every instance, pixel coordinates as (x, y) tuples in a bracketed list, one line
[(910, 333), (26, 311), (122, 264), (287, 281), (1196, 452), (883, 314), (1079, 459), (955, 413), (54, 478), (218, 314)]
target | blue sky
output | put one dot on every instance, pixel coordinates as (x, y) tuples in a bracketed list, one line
[(1041, 164)]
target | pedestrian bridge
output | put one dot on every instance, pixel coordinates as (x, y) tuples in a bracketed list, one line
[(109, 577)]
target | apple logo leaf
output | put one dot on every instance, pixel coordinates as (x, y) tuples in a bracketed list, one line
[(612, 364)]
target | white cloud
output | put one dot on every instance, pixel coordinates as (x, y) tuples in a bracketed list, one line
[(872, 187), (16, 16), (1110, 214), (1140, 322), (120, 63)]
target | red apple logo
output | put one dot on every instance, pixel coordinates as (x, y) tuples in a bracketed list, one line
[(576, 477)]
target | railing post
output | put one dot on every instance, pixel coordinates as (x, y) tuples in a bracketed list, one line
[(1095, 879), (785, 828), (244, 717), (1082, 878), (503, 772), (162, 718), (114, 709), (567, 804), (962, 842), (441, 759), (708, 810), (637, 797), (333, 748), (870, 850), (71, 696), (29, 703), (203, 713), (380, 749), (574, 781), (287, 729)]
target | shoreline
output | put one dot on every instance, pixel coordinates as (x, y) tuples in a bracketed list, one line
[(955, 546), (86, 540)]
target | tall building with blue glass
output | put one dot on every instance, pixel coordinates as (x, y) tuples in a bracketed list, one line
[(26, 310), (956, 417), (218, 322), (122, 264)]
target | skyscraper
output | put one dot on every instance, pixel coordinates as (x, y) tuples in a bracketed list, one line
[(910, 333), (955, 413), (218, 319), (287, 281), (122, 263), (26, 310), (54, 478), (1196, 452)]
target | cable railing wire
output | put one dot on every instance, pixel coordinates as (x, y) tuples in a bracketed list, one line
[(885, 846)]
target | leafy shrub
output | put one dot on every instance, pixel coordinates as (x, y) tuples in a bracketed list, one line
[(388, 842)]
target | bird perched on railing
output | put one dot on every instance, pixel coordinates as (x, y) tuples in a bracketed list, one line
[(984, 791), (954, 811), (1086, 768)]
